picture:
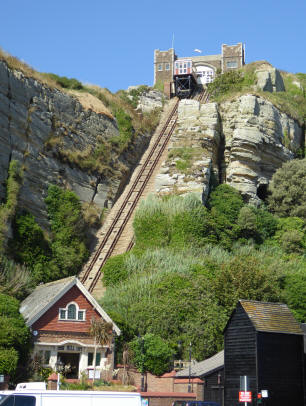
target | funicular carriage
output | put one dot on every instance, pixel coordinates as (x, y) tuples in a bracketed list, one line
[(185, 80)]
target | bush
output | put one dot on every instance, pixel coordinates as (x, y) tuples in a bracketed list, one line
[(8, 361), (288, 190), (14, 335), (65, 82), (151, 353)]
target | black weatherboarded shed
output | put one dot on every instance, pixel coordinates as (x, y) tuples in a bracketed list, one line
[(265, 342)]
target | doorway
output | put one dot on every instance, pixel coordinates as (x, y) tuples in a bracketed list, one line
[(71, 362)]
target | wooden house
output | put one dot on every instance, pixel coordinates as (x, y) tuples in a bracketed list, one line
[(59, 315), (264, 342)]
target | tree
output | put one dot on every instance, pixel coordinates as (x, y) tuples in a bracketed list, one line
[(151, 353), (288, 190), (101, 331), (8, 360), (14, 335)]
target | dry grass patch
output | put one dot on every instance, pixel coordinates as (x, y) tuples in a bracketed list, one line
[(90, 102)]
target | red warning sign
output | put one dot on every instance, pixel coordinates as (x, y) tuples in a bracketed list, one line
[(245, 396)]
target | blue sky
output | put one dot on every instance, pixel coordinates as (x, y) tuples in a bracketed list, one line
[(111, 43)]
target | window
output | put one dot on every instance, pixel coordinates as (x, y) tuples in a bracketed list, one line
[(47, 357), (160, 67), (232, 64), (72, 312), (167, 66), (90, 359)]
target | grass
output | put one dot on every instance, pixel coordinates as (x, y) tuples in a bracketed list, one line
[(231, 85), (187, 155)]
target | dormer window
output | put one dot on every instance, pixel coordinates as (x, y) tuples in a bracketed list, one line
[(72, 312)]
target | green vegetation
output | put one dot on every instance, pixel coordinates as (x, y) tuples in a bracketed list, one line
[(14, 335), (63, 254), (232, 84), (64, 82), (132, 96), (151, 353), (191, 264), (126, 131), (15, 279), (288, 190), (8, 209)]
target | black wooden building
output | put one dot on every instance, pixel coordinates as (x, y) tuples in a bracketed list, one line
[(264, 342)]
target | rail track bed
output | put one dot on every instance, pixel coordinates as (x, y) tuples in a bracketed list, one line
[(116, 235)]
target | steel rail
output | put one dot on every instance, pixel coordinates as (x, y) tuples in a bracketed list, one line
[(136, 199), (131, 190)]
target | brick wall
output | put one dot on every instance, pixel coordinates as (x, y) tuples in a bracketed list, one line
[(50, 322), (166, 383)]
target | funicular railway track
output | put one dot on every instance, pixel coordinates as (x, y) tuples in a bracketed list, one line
[(126, 205), (91, 274)]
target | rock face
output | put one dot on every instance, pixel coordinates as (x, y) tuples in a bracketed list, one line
[(150, 101), (193, 150), (269, 79), (258, 140), (34, 119), (241, 142)]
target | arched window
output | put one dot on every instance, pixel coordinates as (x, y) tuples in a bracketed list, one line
[(71, 312)]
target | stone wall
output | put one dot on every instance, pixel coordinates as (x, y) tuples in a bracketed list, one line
[(163, 58), (232, 57)]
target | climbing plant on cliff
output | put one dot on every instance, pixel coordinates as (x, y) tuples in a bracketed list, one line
[(8, 209), (64, 251), (68, 227)]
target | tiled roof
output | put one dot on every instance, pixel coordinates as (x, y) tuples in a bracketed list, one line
[(42, 296), (271, 317), (203, 368)]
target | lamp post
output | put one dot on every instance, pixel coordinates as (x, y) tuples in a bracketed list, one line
[(179, 346), (58, 366), (142, 362), (189, 379)]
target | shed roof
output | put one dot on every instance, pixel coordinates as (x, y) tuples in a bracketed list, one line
[(203, 368), (46, 295), (271, 317)]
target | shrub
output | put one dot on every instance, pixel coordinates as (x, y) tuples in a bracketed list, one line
[(64, 82), (151, 353), (14, 335), (288, 190), (8, 360)]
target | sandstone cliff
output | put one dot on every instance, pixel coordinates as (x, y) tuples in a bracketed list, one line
[(59, 142), (241, 142)]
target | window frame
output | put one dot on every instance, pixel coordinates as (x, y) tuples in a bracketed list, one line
[(98, 358), (233, 63), (159, 67), (64, 311)]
